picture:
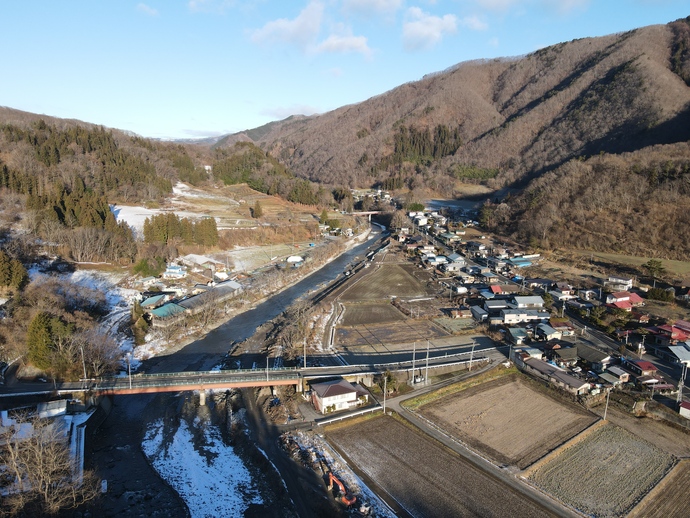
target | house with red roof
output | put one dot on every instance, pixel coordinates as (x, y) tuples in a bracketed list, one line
[(641, 367), (625, 296)]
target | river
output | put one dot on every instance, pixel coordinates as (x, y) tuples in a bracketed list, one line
[(203, 354)]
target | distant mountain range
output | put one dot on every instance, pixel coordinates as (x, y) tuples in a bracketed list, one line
[(590, 137)]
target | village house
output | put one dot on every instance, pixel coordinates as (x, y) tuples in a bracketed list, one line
[(624, 300), (538, 284), (528, 302), (546, 332), (332, 396), (593, 359), (684, 409), (555, 375), (619, 283), (565, 357), (174, 271), (622, 375)]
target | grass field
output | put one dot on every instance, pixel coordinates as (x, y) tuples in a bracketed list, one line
[(605, 474), (509, 419), (384, 282)]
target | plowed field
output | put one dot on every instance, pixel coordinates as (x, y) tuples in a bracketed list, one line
[(666, 500), (361, 314), (423, 476), (508, 420), (391, 333)]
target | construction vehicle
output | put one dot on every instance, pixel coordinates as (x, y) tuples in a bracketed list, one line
[(343, 496)]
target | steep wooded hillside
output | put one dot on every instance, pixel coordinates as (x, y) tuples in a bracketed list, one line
[(516, 118), (591, 138)]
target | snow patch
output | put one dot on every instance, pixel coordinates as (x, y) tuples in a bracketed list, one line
[(215, 483)]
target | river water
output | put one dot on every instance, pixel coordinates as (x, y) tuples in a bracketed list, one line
[(203, 354)]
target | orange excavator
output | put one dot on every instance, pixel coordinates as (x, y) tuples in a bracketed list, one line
[(343, 496)]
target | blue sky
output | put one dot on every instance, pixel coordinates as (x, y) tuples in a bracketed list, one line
[(180, 69)]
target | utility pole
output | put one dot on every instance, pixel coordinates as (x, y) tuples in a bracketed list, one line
[(608, 393), (472, 355), (83, 363), (426, 374), (681, 383), (414, 353), (385, 389), (267, 367), (129, 368)]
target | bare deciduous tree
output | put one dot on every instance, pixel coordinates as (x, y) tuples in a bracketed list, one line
[(40, 476)]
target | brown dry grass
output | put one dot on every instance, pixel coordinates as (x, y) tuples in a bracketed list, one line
[(385, 281)]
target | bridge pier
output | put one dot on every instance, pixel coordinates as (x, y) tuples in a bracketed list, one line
[(202, 397)]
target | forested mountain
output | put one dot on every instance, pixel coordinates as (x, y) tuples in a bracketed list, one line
[(532, 124)]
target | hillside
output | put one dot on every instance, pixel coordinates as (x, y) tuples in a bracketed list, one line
[(531, 124), (519, 117)]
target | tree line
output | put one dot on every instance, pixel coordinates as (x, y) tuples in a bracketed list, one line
[(167, 228)]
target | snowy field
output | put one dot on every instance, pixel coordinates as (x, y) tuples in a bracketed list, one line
[(211, 479)]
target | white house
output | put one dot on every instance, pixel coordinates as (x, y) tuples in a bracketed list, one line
[(331, 396), (175, 271)]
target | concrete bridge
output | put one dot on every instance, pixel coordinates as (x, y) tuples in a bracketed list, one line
[(223, 380)]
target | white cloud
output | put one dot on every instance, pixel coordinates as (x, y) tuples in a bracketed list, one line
[(204, 133), (493, 42), (566, 6), (499, 5), (422, 30), (210, 6), (344, 45), (143, 8), (560, 6), (300, 31), (474, 23), (372, 7), (283, 112)]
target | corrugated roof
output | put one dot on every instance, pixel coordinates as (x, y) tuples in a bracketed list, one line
[(152, 301), (167, 310)]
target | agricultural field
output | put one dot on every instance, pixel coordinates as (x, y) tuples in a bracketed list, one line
[(384, 282), (492, 418), (668, 499), (456, 325), (387, 333), (364, 314), (424, 477), (605, 474)]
